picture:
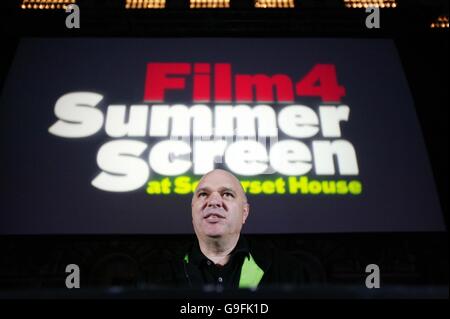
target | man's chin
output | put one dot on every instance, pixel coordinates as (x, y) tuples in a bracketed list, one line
[(214, 234)]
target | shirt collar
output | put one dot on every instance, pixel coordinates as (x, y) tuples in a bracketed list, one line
[(197, 257)]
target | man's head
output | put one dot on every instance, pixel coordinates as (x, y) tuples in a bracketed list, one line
[(219, 205)]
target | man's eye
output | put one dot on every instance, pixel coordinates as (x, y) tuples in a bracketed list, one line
[(228, 194), (202, 194)]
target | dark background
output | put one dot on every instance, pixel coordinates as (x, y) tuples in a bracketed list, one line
[(404, 258)]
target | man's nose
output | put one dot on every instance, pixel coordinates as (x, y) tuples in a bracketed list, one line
[(215, 200)]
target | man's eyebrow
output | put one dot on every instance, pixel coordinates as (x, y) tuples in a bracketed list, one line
[(229, 189), (198, 190), (222, 189)]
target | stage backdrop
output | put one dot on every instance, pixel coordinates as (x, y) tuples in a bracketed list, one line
[(111, 135)]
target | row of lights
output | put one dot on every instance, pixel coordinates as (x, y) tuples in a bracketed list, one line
[(145, 4), (199, 4), (209, 4), (440, 22), (46, 4), (271, 4), (370, 3)]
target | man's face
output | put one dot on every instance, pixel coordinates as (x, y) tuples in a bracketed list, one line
[(219, 205)]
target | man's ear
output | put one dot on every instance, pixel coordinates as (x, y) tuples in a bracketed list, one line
[(246, 212)]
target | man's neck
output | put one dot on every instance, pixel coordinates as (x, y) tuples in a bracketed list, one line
[(218, 249)]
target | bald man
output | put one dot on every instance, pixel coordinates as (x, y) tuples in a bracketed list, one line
[(221, 256), (219, 209)]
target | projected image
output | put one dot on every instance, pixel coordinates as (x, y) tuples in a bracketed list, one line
[(320, 139)]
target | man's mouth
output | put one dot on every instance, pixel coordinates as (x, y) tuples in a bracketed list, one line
[(213, 216)]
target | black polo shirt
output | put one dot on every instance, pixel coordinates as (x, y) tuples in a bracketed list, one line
[(227, 275)]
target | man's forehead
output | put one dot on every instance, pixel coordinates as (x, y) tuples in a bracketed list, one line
[(218, 181)]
